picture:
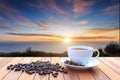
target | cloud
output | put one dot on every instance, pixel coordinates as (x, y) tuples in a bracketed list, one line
[(3, 25), (10, 12), (27, 23), (55, 37), (6, 25), (112, 10), (19, 20), (94, 37), (2, 19), (106, 25), (29, 34), (14, 15), (82, 6), (81, 22), (69, 1), (45, 25), (101, 30), (9, 26), (55, 7), (48, 5)]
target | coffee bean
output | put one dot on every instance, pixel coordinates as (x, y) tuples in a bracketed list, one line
[(41, 72), (65, 71), (55, 74), (23, 70), (31, 72), (12, 68), (8, 67), (73, 63), (40, 67), (17, 69), (62, 68), (57, 64), (11, 65)]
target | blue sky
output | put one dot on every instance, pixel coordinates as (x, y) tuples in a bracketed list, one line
[(54, 20)]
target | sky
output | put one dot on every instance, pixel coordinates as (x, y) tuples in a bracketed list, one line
[(56, 20)]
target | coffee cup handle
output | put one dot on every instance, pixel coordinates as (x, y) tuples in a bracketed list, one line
[(98, 53)]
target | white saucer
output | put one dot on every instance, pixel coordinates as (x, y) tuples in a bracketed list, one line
[(92, 63)]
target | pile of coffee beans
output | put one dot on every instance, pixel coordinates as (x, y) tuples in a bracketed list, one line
[(40, 67), (72, 63)]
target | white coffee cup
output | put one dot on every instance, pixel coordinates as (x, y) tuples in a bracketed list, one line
[(81, 54)]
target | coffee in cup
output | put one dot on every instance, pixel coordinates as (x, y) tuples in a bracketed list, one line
[(81, 54)]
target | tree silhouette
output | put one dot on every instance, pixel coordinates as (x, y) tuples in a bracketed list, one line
[(112, 49)]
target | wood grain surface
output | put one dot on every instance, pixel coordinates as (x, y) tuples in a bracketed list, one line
[(109, 69)]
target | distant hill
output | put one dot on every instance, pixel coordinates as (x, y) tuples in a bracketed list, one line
[(111, 50)]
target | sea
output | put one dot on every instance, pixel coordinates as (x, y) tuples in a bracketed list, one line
[(54, 47)]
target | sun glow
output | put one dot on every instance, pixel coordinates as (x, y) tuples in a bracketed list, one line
[(67, 40)]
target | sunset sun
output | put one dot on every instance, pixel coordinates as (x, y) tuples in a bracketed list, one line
[(67, 40)]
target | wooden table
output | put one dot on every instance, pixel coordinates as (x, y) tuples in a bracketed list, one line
[(109, 69)]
